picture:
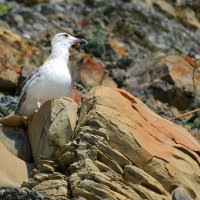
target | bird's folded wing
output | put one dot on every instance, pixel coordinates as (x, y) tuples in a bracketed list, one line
[(30, 80)]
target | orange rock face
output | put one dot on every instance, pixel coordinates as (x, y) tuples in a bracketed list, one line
[(143, 149), (14, 52), (86, 69), (75, 95), (169, 79), (116, 46), (180, 70), (91, 73)]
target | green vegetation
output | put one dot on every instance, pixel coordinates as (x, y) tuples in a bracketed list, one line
[(195, 121), (96, 45), (98, 34), (196, 96), (3, 8)]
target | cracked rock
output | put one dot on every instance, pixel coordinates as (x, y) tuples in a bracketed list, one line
[(52, 126)]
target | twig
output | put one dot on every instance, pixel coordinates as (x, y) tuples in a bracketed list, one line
[(193, 79), (185, 114)]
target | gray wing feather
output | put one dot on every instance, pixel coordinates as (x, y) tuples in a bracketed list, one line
[(33, 75)]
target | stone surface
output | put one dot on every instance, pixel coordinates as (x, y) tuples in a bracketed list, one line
[(52, 184), (52, 126), (187, 16), (180, 194), (108, 82), (133, 37), (32, 2), (137, 176), (56, 189), (91, 73), (9, 71), (116, 46), (7, 104), (16, 141), (140, 29), (14, 121), (76, 95), (112, 24), (13, 171), (88, 71), (9, 75), (15, 52), (168, 79), (20, 194), (122, 150), (179, 71)]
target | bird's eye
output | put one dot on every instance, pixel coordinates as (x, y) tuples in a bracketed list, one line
[(66, 35)]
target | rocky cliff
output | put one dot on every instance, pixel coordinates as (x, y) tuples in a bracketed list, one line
[(102, 142), (127, 39), (119, 149)]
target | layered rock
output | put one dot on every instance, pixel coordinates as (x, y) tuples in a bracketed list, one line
[(52, 126), (13, 171), (9, 71), (91, 73), (119, 150), (122, 39), (122, 150), (15, 52), (48, 181), (168, 78), (16, 141)]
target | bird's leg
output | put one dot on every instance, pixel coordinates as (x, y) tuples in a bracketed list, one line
[(38, 104)]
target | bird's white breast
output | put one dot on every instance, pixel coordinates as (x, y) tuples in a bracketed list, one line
[(54, 81)]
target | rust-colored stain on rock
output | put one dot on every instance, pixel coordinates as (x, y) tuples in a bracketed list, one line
[(76, 95), (181, 71), (91, 73), (143, 137), (116, 46)]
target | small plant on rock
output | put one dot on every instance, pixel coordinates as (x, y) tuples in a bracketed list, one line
[(3, 8)]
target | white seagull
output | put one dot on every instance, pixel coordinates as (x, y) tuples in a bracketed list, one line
[(52, 79)]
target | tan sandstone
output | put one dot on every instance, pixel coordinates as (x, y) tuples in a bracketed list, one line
[(52, 126), (122, 150), (13, 171)]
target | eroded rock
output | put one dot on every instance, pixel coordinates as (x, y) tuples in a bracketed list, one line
[(180, 194), (52, 126), (91, 73), (16, 141), (13, 171), (122, 150), (52, 184), (168, 79), (15, 52), (20, 194)]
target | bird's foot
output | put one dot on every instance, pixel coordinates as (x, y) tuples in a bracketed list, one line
[(38, 104)]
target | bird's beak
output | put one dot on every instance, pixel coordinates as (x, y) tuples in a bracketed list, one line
[(78, 42), (81, 41)]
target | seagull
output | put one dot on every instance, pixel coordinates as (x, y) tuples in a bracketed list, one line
[(52, 79)]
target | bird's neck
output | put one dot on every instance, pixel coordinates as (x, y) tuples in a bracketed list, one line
[(60, 53)]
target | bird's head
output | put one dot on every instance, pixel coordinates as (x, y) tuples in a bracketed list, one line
[(65, 40)]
